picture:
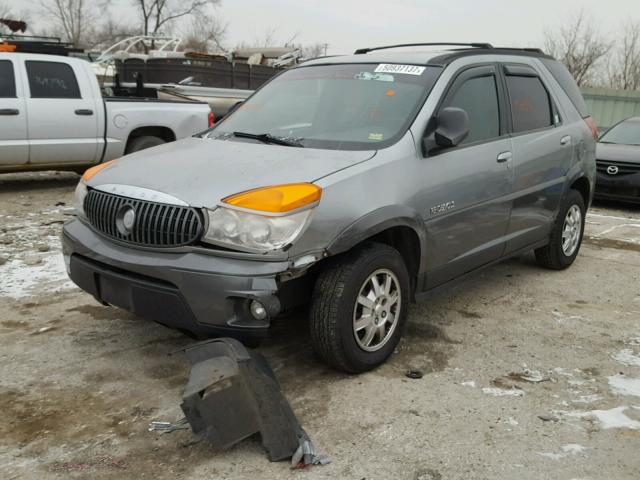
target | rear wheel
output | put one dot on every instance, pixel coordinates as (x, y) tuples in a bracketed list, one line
[(359, 307), (144, 142), (566, 236)]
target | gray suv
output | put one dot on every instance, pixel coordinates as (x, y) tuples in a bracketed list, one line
[(354, 184)]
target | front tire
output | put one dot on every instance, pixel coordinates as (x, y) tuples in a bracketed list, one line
[(566, 236), (359, 308)]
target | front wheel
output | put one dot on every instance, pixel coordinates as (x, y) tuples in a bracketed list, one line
[(566, 236), (359, 307)]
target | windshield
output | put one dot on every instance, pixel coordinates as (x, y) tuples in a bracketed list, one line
[(341, 107), (625, 133)]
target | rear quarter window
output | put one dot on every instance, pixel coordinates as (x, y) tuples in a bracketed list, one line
[(568, 84), (530, 103), (52, 80), (7, 80)]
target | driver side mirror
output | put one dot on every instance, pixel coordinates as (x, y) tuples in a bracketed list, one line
[(452, 127)]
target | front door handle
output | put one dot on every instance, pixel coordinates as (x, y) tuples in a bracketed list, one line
[(504, 157), (565, 140), (9, 111), (84, 112)]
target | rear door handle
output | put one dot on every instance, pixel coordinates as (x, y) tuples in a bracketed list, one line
[(84, 112), (9, 111), (504, 157), (565, 140)]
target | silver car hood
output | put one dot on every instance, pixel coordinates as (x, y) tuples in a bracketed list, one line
[(201, 171)]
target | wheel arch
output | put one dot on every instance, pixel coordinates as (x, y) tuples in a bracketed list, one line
[(165, 133), (398, 226), (583, 186)]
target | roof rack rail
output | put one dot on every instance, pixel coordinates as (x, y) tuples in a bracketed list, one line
[(362, 51)]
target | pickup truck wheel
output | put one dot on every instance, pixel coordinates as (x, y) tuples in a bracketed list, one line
[(359, 308), (141, 143), (566, 236)]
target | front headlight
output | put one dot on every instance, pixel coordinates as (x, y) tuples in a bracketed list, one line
[(263, 219), (254, 232), (81, 189), (81, 193)]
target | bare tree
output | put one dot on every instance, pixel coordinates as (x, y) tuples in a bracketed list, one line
[(109, 32), (157, 14), (314, 50), (204, 33), (579, 46), (71, 19), (624, 65)]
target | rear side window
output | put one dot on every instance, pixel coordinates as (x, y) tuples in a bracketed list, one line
[(530, 103), (568, 84), (52, 80), (478, 97), (7, 80)]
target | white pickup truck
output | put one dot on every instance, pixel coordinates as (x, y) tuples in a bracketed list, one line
[(54, 117)]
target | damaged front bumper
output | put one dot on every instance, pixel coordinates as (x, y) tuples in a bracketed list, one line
[(233, 394), (197, 291)]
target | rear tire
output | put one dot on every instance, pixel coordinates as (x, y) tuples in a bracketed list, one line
[(566, 236), (359, 307), (144, 142)]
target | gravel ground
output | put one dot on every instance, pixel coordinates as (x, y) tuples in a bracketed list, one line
[(528, 374)]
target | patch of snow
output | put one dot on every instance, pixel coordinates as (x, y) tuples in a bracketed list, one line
[(512, 421), (622, 385), (568, 449), (500, 392), (552, 456), (21, 281), (627, 357), (614, 418), (573, 448), (588, 398), (470, 383)]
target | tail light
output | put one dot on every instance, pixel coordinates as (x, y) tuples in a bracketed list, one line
[(591, 123), (211, 119)]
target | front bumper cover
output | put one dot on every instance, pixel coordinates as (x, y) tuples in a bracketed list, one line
[(199, 292), (618, 187)]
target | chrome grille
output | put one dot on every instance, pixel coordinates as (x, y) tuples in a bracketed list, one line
[(624, 168), (154, 224)]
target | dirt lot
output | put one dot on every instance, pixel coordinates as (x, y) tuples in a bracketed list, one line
[(528, 374)]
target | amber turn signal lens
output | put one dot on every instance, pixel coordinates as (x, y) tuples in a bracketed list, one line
[(277, 199), (89, 174)]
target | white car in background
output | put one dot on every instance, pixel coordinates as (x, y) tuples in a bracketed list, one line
[(54, 117)]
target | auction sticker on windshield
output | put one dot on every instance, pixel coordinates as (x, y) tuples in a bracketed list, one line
[(396, 68)]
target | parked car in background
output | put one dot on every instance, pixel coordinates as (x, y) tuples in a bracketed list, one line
[(618, 160), (356, 183), (53, 116)]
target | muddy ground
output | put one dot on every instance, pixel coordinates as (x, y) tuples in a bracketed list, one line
[(528, 374)]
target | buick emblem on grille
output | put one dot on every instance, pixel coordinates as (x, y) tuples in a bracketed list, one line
[(125, 219), (612, 170)]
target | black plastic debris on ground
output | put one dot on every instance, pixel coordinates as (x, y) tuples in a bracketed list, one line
[(233, 394)]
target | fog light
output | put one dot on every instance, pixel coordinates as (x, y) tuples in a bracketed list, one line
[(258, 311)]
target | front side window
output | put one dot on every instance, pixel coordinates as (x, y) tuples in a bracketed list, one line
[(52, 80), (530, 103), (7, 80), (478, 97), (341, 107)]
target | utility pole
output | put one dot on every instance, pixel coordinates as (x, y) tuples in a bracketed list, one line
[(326, 46)]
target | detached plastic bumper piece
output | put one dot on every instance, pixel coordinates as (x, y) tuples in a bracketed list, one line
[(233, 394)]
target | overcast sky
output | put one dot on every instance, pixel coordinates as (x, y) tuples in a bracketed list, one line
[(348, 24)]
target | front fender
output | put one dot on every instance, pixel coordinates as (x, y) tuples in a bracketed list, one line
[(378, 221)]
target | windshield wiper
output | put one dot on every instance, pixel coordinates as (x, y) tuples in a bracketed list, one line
[(268, 138)]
